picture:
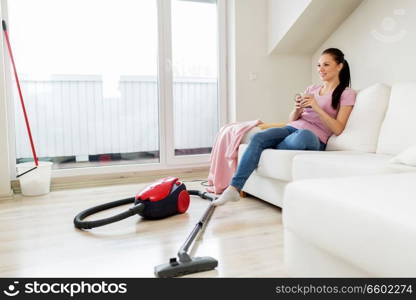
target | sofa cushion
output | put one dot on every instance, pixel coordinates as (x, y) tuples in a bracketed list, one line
[(273, 163), (398, 130), (363, 127), (277, 164), (368, 221), (308, 166), (247, 137), (406, 157)]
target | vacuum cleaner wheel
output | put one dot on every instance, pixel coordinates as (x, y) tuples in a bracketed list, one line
[(183, 201)]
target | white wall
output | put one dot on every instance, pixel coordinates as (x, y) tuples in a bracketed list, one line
[(379, 42), (5, 189), (282, 15), (263, 86)]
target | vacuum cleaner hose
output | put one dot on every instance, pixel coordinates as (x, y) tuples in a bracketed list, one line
[(96, 223), (203, 195), (137, 209)]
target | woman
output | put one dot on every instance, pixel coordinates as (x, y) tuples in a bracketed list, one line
[(323, 110)]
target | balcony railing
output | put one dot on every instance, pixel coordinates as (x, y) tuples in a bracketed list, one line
[(72, 116)]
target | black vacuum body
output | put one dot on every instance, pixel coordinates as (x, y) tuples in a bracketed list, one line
[(164, 198)]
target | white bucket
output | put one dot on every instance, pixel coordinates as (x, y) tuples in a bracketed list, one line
[(36, 182)]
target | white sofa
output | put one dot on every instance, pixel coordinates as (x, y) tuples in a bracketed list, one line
[(349, 211)]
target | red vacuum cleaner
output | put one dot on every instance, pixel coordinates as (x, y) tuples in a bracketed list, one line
[(164, 198)]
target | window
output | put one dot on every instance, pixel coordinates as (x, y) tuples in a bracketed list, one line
[(92, 82)]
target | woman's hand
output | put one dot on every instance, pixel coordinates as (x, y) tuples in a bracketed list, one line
[(298, 106), (310, 102), (297, 112)]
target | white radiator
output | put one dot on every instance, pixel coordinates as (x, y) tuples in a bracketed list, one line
[(70, 116)]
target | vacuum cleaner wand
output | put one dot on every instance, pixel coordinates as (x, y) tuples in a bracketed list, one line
[(185, 264)]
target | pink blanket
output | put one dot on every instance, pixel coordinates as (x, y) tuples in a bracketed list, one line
[(224, 154)]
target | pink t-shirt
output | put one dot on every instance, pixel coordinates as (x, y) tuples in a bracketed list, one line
[(309, 119)]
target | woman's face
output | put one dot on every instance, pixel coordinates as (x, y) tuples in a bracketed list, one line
[(327, 68)]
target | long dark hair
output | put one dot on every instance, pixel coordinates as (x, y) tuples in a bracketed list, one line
[(344, 75)]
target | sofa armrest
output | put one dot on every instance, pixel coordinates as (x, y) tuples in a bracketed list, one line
[(249, 134)]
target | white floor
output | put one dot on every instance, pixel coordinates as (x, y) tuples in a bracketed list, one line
[(37, 237)]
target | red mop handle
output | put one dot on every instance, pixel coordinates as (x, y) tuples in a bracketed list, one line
[(20, 93)]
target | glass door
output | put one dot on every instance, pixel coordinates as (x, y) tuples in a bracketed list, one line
[(195, 75)]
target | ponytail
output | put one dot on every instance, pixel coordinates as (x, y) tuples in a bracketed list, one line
[(344, 75)]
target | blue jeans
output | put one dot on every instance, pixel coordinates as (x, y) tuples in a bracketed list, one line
[(287, 138)]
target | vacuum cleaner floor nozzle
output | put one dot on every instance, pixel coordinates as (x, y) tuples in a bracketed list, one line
[(176, 268)]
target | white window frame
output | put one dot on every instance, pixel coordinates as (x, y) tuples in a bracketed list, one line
[(6, 67), (168, 160)]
